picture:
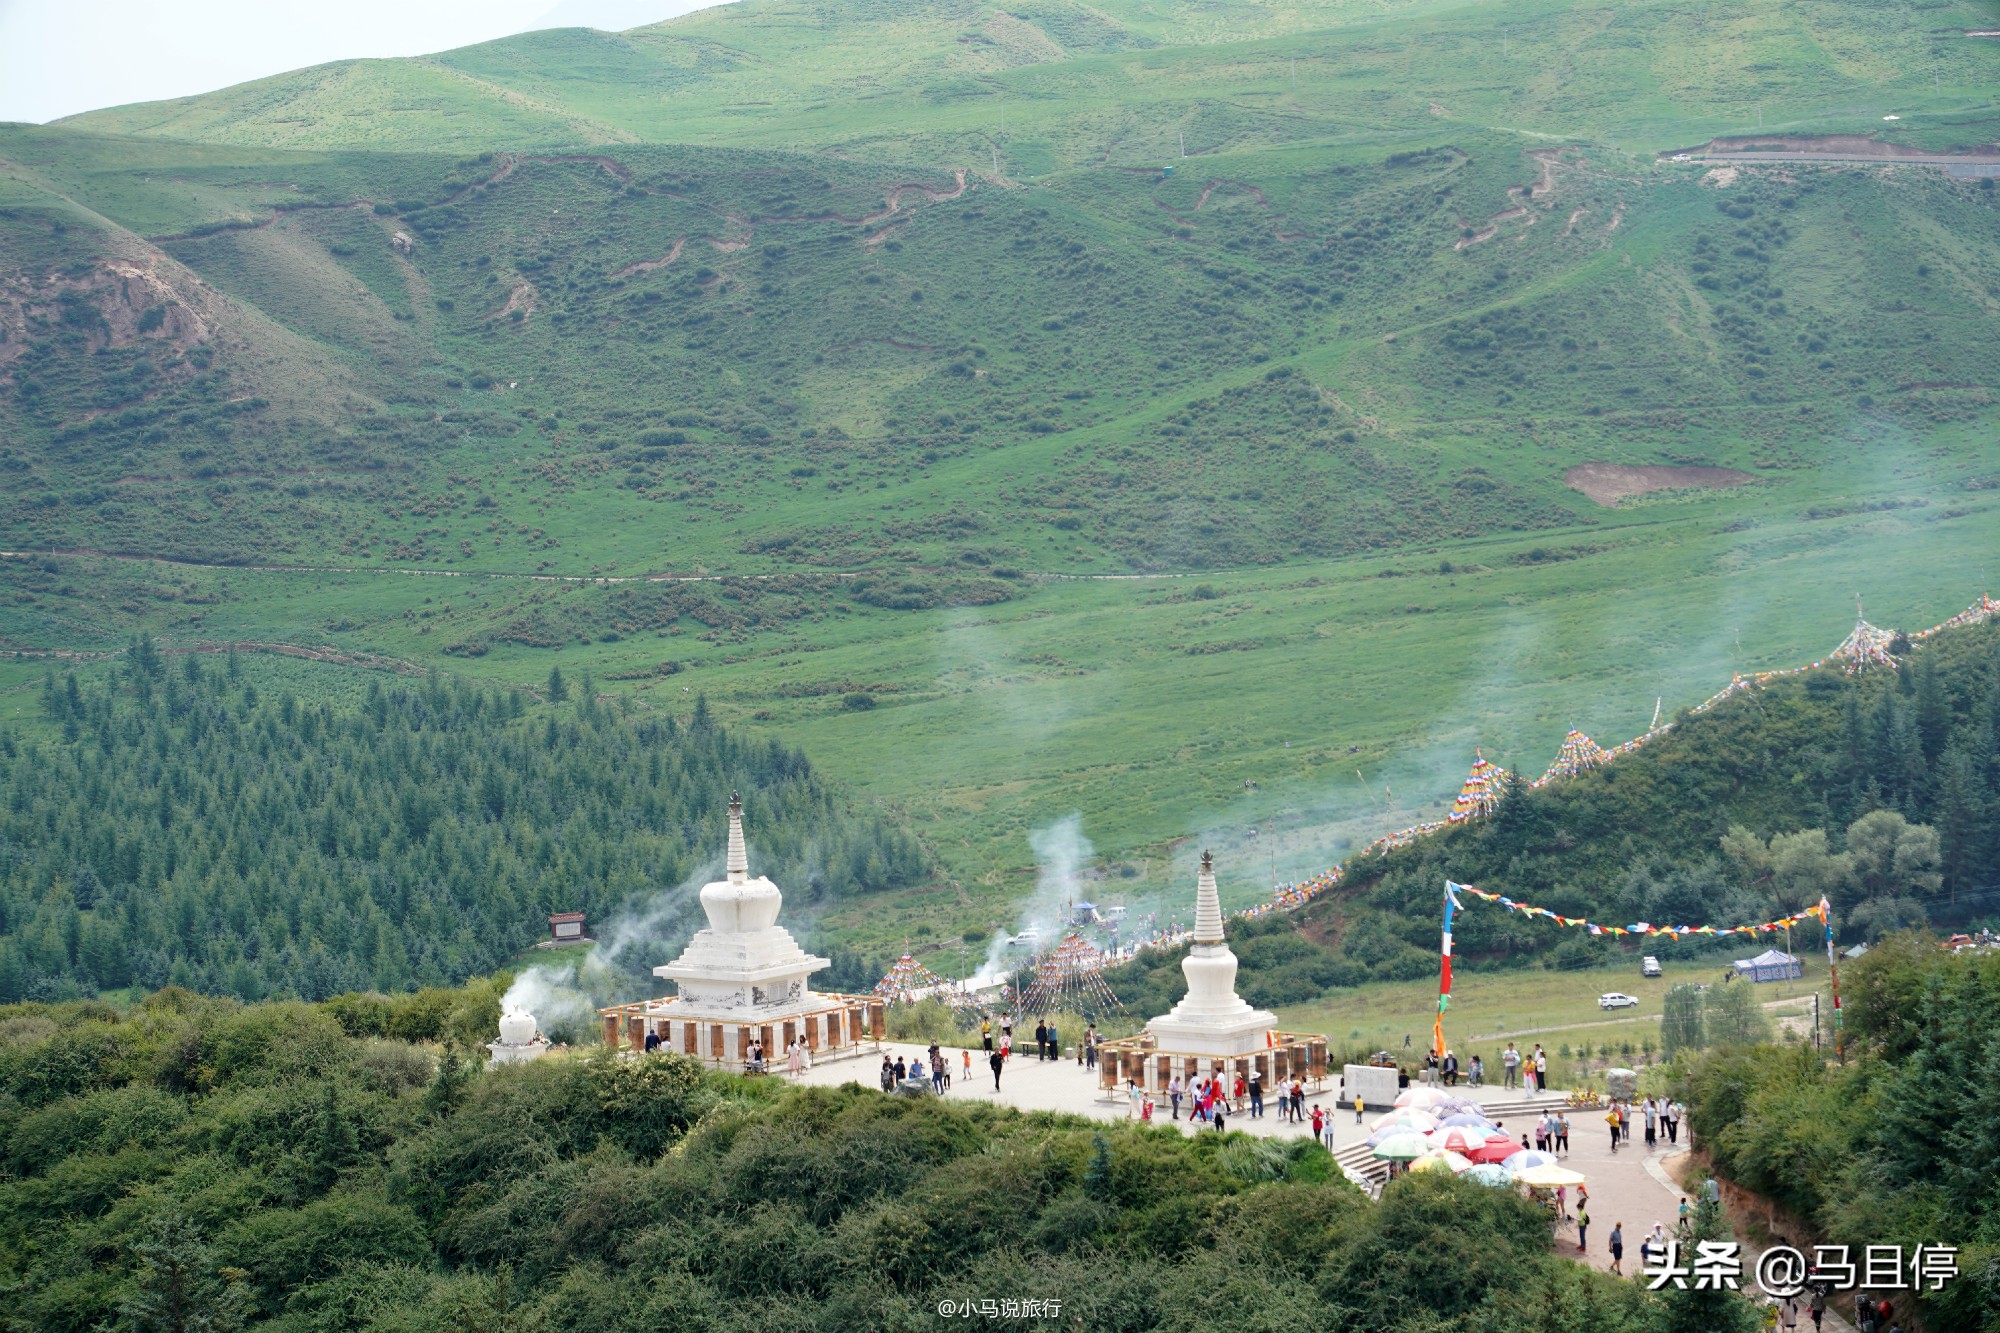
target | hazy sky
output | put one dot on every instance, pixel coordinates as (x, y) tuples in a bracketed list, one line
[(59, 57)]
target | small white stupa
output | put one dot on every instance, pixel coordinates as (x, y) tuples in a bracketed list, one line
[(1212, 1019), (520, 1039), (745, 967)]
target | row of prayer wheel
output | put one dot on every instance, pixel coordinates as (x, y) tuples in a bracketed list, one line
[(1153, 1070), (857, 1022)]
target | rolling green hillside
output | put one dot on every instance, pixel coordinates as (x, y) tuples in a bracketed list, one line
[(925, 80), (437, 360)]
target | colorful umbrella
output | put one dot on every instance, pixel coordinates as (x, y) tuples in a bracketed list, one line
[(1549, 1176), (1451, 1106), (1422, 1098), (1489, 1173), (1460, 1139), (1408, 1118), (1523, 1159), (1391, 1131), (1441, 1161), (1403, 1147), (1468, 1119)]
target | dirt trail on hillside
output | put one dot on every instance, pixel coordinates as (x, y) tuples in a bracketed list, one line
[(522, 298), (893, 207), (1524, 197), (1251, 190), (1808, 147), (322, 653), (648, 265), (607, 580), (894, 199), (1826, 149)]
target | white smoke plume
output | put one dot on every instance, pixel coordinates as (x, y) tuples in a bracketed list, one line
[(1061, 855), (564, 997), (562, 1010)]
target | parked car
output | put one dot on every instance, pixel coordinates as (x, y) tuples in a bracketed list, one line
[(1649, 966), (1616, 1000)]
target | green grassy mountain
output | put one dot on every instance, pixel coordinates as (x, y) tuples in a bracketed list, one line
[(919, 80), (439, 359)]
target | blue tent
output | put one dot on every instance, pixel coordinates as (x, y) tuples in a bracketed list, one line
[(1771, 965)]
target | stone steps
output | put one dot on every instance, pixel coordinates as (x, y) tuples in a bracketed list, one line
[(1359, 1164)]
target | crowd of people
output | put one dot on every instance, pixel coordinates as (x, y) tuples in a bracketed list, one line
[(798, 1055), (933, 1068), (1657, 1114), (1212, 1098)]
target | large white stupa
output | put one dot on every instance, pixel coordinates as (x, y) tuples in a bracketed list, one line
[(745, 967), (1212, 1019)]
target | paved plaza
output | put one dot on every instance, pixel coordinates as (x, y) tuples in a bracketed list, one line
[(1630, 1186)]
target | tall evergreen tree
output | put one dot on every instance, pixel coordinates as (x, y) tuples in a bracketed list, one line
[(176, 1288), (1933, 710)]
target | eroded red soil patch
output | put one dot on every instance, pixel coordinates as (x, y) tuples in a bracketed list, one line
[(1608, 483)]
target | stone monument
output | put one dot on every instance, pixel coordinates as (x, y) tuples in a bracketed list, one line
[(743, 979), (520, 1040), (744, 966), (1212, 1019)]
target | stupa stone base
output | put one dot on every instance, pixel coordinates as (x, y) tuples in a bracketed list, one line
[(506, 1053), (1246, 1036), (836, 1026), (1279, 1057)]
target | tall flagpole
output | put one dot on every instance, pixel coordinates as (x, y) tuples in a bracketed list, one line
[(1444, 972), (1833, 971)]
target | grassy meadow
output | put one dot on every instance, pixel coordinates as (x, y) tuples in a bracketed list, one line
[(1553, 1009), (1147, 705)]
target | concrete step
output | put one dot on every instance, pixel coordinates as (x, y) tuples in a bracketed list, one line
[(1357, 1161), (1512, 1105)]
